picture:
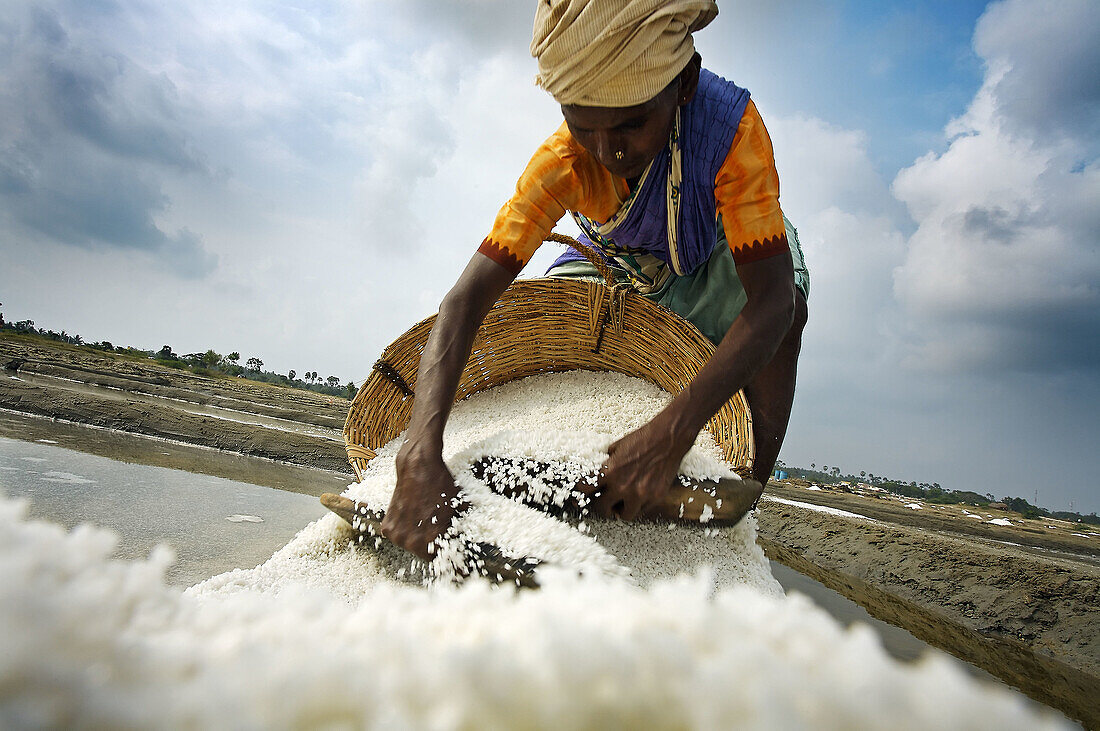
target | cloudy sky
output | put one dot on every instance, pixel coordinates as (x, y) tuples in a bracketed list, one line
[(301, 182)]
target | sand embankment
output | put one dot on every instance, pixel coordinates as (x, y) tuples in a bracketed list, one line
[(1027, 615), (142, 397), (1020, 602)]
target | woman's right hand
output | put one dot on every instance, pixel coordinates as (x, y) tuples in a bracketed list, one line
[(422, 505), (421, 508)]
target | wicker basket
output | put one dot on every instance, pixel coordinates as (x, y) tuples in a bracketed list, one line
[(549, 326)]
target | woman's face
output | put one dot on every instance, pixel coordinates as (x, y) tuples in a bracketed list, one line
[(639, 133)]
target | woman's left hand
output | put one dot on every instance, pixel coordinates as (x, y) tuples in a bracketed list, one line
[(640, 469)]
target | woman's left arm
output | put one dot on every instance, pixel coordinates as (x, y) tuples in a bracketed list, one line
[(642, 465)]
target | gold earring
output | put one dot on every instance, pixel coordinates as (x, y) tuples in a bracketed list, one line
[(619, 155)]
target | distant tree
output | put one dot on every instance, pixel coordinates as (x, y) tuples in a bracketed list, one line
[(165, 353), (233, 357), (210, 359), (290, 375), (813, 466), (254, 364), (351, 390), (332, 381), (900, 488)]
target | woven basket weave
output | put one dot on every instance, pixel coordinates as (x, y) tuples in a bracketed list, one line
[(550, 326)]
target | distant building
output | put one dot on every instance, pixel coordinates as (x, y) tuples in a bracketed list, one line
[(780, 475)]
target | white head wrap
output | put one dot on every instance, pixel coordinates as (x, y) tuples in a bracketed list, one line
[(614, 53)]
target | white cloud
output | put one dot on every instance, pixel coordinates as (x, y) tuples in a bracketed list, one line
[(302, 149), (847, 224), (823, 165), (86, 138), (1002, 270), (1052, 84), (909, 325)]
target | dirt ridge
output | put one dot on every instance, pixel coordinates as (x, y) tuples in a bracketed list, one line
[(1030, 621)]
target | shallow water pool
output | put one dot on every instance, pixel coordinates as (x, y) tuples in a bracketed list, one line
[(213, 524)]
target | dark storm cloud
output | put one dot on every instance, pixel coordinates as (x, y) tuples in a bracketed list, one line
[(87, 137), (992, 223)]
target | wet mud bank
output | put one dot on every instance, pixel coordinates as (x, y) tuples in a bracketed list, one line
[(145, 398), (1031, 621), (145, 376)]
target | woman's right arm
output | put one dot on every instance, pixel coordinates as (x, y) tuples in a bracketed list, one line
[(421, 508), (559, 176)]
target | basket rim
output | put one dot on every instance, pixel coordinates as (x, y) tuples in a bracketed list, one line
[(531, 290)]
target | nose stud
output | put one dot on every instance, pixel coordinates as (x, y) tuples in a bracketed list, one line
[(618, 154)]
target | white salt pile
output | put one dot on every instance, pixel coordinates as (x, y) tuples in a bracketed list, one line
[(573, 418), (324, 634)]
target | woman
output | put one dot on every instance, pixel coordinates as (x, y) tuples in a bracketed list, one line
[(669, 172)]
